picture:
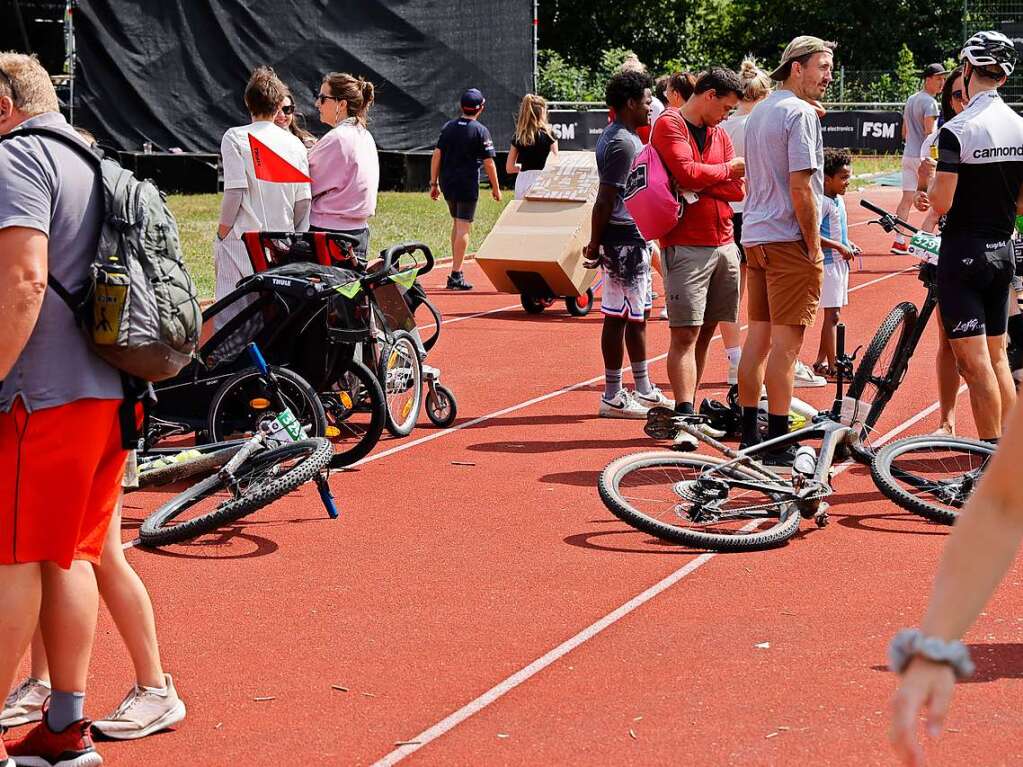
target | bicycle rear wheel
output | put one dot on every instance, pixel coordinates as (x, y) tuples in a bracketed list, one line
[(931, 476), (262, 479), (879, 375), (680, 498)]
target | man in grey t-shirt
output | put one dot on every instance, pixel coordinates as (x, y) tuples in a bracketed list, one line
[(918, 120), (61, 460), (781, 232)]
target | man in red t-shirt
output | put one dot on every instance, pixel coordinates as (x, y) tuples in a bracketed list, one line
[(701, 260)]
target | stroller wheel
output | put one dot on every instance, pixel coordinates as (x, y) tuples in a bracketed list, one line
[(355, 409), (441, 406), (579, 306), (400, 372)]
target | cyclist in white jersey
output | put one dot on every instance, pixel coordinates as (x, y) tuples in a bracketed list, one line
[(977, 184)]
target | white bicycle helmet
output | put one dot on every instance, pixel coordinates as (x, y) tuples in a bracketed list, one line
[(990, 49)]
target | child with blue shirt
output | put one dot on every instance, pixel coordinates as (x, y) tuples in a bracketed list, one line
[(838, 252)]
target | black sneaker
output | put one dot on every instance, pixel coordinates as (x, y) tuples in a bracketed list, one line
[(457, 282), (780, 457)]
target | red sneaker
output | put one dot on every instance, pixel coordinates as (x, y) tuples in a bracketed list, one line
[(42, 747)]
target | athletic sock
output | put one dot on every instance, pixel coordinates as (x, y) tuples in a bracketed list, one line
[(750, 425), (733, 354), (777, 425), (641, 375), (612, 383), (684, 408), (65, 708)]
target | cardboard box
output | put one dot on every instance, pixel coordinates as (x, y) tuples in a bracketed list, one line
[(536, 246)]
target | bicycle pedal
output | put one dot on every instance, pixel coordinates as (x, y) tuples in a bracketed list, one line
[(660, 423)]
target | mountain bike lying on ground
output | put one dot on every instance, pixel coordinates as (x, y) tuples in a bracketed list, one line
[(729, 503), (276, 459), (886, 359), (932, 476)]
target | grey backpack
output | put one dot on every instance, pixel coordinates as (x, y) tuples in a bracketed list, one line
[(139, 308)]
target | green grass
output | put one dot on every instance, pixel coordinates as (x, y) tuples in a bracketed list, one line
[(869, 165), (400, 216)]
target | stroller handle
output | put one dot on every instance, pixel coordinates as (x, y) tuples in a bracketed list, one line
[(390, 258)]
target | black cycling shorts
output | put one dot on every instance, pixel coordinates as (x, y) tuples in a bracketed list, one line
[(974, 276), (737, 234), (463, 210)]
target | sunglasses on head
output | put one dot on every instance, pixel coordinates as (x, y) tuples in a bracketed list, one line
[(289, 109)]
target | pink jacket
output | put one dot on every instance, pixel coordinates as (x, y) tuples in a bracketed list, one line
[(345, 172)]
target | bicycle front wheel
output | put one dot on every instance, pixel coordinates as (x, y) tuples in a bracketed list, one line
[(262, 479), (691, 499), (401, 375), (931, 476), (879, 375)]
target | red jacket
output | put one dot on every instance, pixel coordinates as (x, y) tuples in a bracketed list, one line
[(708, 221)]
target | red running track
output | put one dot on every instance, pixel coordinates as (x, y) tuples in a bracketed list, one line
[(466, 559)]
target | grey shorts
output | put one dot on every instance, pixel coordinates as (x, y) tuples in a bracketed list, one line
[(702, 284)]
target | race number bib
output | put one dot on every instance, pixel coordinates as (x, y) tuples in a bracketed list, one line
[(284, 428), (925, 247)]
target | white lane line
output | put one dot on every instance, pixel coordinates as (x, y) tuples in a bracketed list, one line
[(502, 688), (528, 403), (453, 320)]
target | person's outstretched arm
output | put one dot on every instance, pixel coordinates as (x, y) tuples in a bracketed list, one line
[(979, 552)]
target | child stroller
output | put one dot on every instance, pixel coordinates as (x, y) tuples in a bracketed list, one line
[(393, 347)]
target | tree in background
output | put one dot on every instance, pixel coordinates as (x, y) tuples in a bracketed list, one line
[(668, 35)]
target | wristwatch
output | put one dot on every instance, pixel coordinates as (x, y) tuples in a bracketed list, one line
[(910, 643)]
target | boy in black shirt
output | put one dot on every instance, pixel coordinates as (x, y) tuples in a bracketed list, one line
[(463, 146)]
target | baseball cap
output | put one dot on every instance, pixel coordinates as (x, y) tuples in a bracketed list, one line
[(803, 45), (933, 69), (473, 99)]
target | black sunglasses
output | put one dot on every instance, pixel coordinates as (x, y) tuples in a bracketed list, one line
[(290, 109), (320, 98)]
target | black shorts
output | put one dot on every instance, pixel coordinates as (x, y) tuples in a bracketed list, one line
[(974, 276), (463, 210), (737, 234)]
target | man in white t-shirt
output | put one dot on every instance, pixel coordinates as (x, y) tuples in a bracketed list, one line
[(251, 204), (918, 119)]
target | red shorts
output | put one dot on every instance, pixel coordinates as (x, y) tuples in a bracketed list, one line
[(60, 477)]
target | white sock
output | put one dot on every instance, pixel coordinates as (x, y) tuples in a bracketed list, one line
[(733, 354)]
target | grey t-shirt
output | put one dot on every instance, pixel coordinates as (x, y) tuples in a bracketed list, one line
[(918, 106), (45, 185), (783, 135), (616, 149)]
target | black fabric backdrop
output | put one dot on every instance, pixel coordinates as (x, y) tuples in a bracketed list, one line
[(173, 72)]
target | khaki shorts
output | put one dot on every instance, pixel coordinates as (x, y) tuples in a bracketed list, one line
[(783, 286), (702, 284)]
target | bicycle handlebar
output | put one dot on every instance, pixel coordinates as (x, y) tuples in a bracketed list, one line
[(889, 221), (390, 258)]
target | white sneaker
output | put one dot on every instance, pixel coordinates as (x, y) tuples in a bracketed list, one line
[(805, 378), (25, 703), (143, 712), (733, 373), (653, 399), (684, 442), (622, 405)]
